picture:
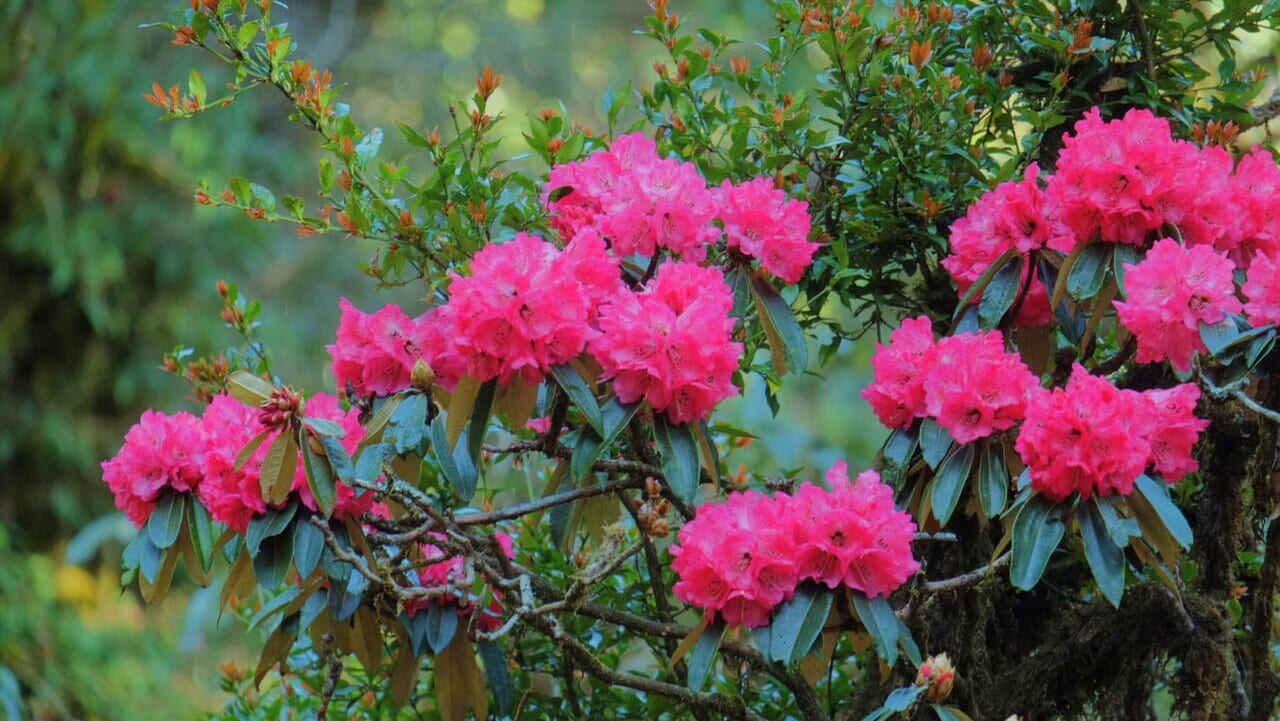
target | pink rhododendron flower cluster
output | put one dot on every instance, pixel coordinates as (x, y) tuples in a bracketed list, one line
[(761, 222), (641, 202), (526, 306), (966, 382), (1091, 437), (160, 452), (1262, 288), (1010, 217), (637, 199), (448, 575), (374, 354), (670, 344), (743, 557), (1170, 293), (1115, 179), (1253, 226)]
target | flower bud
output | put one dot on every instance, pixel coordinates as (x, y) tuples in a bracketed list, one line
[(421, 376), (938, 676)]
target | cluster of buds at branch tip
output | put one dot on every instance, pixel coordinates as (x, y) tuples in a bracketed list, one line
[(488, 82), (282, 410), (651, 512), (938, 677)]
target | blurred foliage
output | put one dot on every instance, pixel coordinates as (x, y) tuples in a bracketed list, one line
[(73, 646)]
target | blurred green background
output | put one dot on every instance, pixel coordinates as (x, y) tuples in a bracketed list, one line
[(106, 263)]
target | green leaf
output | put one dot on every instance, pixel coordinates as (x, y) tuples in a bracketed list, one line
[(325, 427), (166, 519), (442, 624), (274, 606), (1087, 275), (195, 83), (589, 447), (782, 330), (1105, 558), (252, 447), (480, 418), (320, 479), (797, 623), (454, 462), (901, 698), (949, 482), (580, 393), (935, 441), (308, 547), (271, 564), (981, 283), (679, 453), (326, 175), (878, 618), (200, 526), (950, 713), (1170, 515), (1037, 531), (412, 137), (704, 654), (279, 468), (248, 388), (461, 406), (407, 426), (586, 451), (1124, 254), (1000, 293), (269, 524), (499, 677), (897, 454), (993, 479)]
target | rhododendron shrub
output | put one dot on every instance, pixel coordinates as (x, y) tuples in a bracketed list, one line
[(1075, 311)]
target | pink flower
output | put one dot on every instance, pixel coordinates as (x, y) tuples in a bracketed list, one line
[(761, 222), (736, 559), (1170, 293), (526, 306), (234, 496), (1089, 437), (1256, 226), (635, 199), (160, 453), (1012, 216), (1175, 430), (852, 535), (1262, 288), (375, 354), (973, 388), (671, 344), (1114, 177), (447, 574), (897, 393)]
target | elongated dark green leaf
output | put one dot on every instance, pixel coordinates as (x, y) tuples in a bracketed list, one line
[(993, 479), (308, 547), (950, 713), (1037, 531), (935, 441), (269, 524), (143, 555), (1158, 496), (908, 643), (344, 599), (252, 447), (368, 465), (442, 624), (274, 606), (339, 459), (1217, 336), (271, 565), (479, 423), (1087, 275), (1105, 558), (949, 482), (580, 393), (797, 623), (374, 430), (586, 451), (981, 283), (878, 618), (901, 698), (679, 453), (407, 426), (320, 480), (456, 463), (897, 454), (781, 326), (166, 519), (1124, 254), (200, 526), (1000, 293), (703, 656), (499, 677)]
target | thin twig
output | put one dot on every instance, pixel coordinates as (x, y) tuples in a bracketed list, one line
[(969, 578)]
